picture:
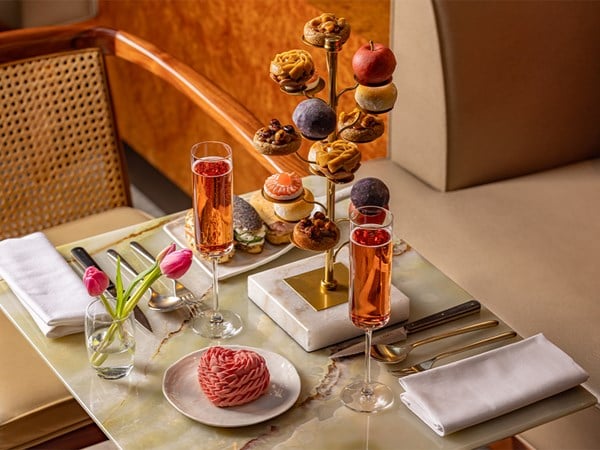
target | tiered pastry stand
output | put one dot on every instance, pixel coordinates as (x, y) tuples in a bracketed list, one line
[(307, 298)]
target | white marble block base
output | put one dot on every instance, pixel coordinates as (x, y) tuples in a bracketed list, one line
[(310, 328)]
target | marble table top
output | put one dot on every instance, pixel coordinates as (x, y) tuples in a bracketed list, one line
[(135, 414)]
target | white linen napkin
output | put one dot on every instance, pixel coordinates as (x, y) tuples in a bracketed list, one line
[(473, 390), (44, 283)]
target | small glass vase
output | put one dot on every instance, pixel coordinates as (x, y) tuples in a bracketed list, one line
[(110, 342)]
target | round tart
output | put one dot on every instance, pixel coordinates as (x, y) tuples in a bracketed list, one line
[(326, 25), (316, 233), (292, 69), (276, 139), (358, 126), (337, 160), (284, 186)]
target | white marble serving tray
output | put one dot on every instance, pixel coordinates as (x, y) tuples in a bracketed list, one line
[(310, 328)]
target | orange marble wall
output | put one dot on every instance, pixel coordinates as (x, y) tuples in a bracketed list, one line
[(231, 42)]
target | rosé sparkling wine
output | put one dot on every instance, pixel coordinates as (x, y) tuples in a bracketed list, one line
[(371, 265), (371, 252), (213, 178)]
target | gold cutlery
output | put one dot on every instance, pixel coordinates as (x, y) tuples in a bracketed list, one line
[(428, 364), (395, 352)]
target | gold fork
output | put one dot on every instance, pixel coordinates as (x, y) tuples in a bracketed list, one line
[(428, 364)]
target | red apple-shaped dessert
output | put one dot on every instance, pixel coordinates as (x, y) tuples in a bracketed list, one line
[(373, 64)]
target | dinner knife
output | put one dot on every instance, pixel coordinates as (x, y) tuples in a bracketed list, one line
[(400, 333), (85, 260)]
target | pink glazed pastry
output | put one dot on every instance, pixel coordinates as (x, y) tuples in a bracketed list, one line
[(232, 377)]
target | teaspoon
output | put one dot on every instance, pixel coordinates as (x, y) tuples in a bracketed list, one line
[(395, 353), (157, 302)]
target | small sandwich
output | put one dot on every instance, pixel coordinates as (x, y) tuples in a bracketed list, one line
[(248, 228), (278, 231), (190, 237)]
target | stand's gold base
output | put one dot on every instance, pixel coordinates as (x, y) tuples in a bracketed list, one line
[(308, 286)]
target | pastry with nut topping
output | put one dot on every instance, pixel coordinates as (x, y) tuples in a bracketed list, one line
[(316, 233), (358, 126), (337, 160), (325, 26), (292, 69), (276, 139)]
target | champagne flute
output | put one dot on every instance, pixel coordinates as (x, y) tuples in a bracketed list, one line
[(212, 174), (371, 247)]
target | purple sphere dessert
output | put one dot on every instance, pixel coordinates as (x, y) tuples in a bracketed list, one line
[(314, 118), (369, 192)]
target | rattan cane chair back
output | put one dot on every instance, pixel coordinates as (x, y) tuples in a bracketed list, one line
[(60, 156)]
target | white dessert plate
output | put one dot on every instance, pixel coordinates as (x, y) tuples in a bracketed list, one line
[(241, 261), (183, 391)]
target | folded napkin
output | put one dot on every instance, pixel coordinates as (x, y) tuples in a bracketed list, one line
[(44, 283), (464, 393)]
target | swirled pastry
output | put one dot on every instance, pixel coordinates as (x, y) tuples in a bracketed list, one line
[(358, 126), (232, 377), (337, 160), (324, 26), (292, 69)]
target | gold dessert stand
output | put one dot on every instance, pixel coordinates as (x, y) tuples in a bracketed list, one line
[(333, 279)]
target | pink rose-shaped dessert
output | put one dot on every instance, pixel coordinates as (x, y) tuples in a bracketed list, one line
[(232, 377)]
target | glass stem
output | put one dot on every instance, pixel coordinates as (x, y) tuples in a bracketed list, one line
[(367, 384), (216, 316)]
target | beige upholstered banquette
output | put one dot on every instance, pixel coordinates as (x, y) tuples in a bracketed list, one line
[(495, 170)]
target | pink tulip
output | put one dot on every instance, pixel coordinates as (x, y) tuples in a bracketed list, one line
[(175, 264), (170, 249), (95, 281)]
